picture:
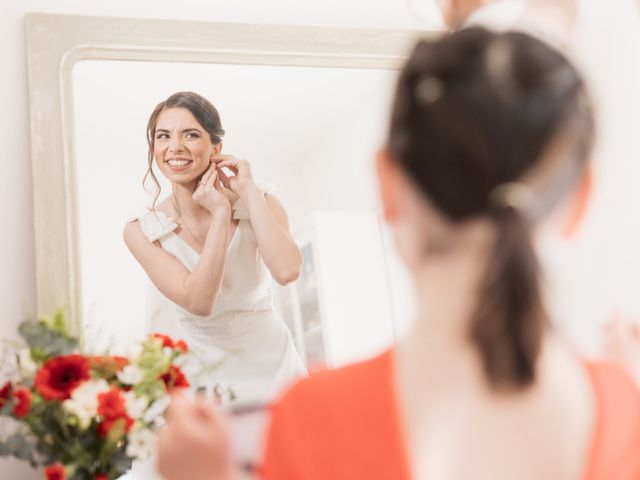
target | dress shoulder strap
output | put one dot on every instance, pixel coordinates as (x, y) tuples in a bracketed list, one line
[(155, 225)]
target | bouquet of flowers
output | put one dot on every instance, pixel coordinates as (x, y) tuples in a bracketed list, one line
[(85, 416)]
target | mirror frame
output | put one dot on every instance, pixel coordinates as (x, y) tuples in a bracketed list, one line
[(55, 43)]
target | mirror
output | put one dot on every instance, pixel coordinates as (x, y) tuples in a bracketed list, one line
[(303, 105), (311, 132)]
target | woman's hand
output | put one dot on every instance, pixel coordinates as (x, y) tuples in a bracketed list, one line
[(212, 194), (622, 344), (240, 168), (195, 444)]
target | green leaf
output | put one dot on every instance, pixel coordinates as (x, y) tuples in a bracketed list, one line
[(45, 342), (59, 324), (120, 464), (112, 442), (22, 448), (7, 408)]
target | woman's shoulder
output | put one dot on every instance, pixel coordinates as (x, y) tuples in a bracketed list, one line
[(340, 423), (616, 438), (154, 223)]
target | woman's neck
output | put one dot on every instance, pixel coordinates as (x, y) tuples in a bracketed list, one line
[(183, 201), (446, 295)]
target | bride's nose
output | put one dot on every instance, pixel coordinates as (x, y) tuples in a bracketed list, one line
[(175, 145)]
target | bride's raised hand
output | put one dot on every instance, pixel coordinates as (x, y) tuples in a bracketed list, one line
[(210, 193), (225, 180), (241, 169)]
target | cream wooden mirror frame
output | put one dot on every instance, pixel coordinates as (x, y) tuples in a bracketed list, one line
[(55, 43)]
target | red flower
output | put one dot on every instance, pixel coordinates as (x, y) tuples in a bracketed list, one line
[(101, 476), (5, 393), (111, 404), (112, 407), (22, 398), (182, 346), (55, 472), (174, 378), (166, 341), (59, 376)]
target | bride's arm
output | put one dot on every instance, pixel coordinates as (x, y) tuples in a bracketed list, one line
[(194, 291), (269, 220)]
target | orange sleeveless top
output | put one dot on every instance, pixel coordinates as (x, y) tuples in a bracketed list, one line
[(343, 424)]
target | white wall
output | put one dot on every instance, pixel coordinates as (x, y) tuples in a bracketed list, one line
[(17, 281)]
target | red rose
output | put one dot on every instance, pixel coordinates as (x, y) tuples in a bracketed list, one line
[(112, 407), (22, 404), (166, 341), (5, 393), (59, 376), (174, 378), (54, 472), (182, 346)]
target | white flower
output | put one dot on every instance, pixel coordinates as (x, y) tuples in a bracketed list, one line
[(84, 401), (142, 443), (167, 350), (130, 375), (27, 365), (135, 405), (157, 409)]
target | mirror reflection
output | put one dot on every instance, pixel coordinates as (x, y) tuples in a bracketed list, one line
[(298, 141)]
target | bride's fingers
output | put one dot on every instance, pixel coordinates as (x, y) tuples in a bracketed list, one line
[(232, 165), (213, 179), (224, 177), (218, 185), (206, 176), (221, 157)]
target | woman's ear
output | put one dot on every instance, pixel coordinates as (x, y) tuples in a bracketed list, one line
[(217, 148), (387, 173), (579, 203)]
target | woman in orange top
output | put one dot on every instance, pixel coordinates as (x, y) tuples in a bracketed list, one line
[(489, 136)]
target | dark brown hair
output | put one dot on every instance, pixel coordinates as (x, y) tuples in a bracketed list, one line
[(203, 111), (474, 111)]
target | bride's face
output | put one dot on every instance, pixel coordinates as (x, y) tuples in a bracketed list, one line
[(182, 147)]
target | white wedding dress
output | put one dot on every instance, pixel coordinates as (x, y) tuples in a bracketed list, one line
[(242, 344)]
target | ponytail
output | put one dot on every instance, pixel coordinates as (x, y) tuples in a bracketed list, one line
[(509, 323)]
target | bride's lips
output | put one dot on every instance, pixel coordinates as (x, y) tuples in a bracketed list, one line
[(178, 164)]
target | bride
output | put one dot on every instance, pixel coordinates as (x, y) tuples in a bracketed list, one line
[(211, 249)]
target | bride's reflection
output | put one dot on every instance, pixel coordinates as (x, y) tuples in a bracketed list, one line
[(211, 248)]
